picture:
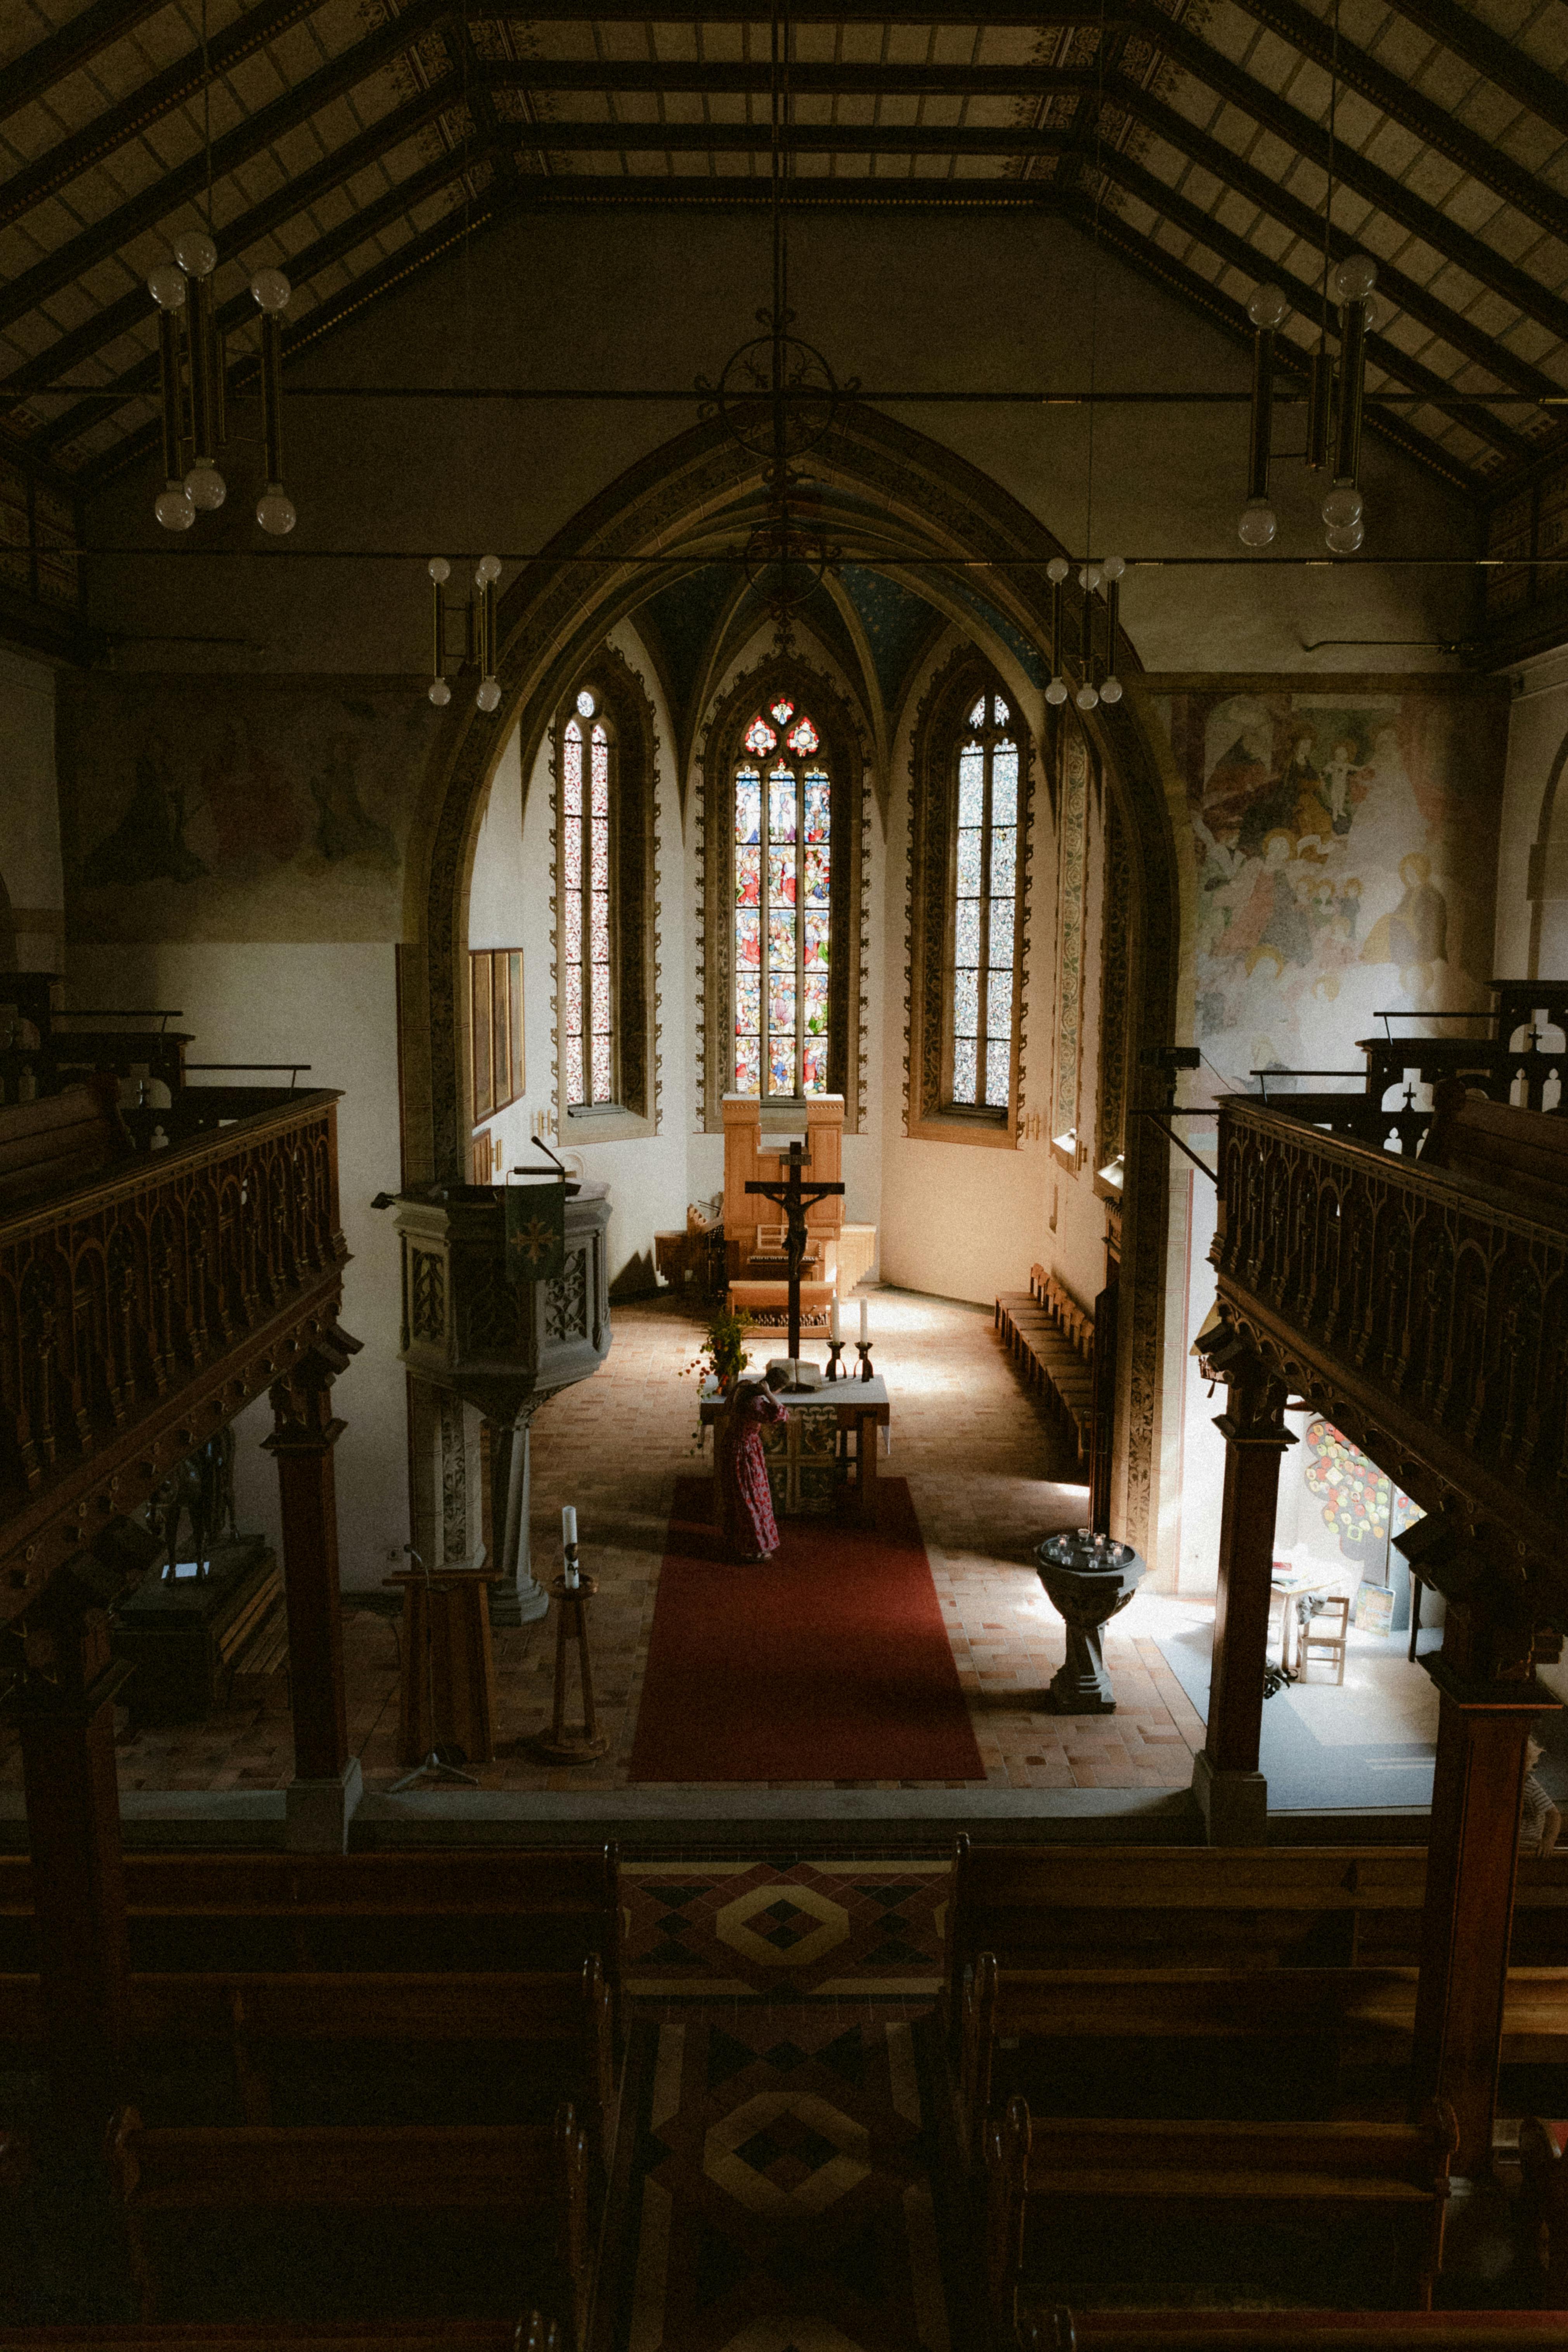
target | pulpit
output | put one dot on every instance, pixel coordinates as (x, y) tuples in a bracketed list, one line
[(505, 1305)]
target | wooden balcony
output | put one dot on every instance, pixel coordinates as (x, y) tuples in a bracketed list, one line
[(1423, 1310), (141, 1311)]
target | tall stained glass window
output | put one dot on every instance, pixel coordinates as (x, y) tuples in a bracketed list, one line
[(588, 967), (985, 908), (784, 852)]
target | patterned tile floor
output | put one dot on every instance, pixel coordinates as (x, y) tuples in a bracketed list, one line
[(989, 1477)]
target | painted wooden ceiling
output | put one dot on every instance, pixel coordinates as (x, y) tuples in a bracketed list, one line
[(354, 142)]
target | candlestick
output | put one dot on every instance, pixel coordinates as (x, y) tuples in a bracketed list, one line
[(865, 1320), (835, 1368), (863, 1348), (569, 1525)]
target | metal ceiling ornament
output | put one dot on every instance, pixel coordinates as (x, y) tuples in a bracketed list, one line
[(778, 398)]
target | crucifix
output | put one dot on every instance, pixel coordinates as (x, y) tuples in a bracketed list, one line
[(794, 1198)]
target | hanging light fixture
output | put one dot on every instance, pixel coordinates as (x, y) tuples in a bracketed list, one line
[(193, 376), (1267, 310), (1113, 567), (1343, 509), (479, 631), (1057, 571)]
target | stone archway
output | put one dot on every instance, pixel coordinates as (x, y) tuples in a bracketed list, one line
[(676, 503)]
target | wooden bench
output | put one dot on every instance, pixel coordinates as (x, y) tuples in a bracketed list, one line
[(561, 2021), (1050, 2182), (1545, 2172), (1291, 2331), (532, 2333), (536, 2175), (480, 1910), (1517, 1154), (50, 1147), (1206, 1907), (1032, 2032), (1051, 1339)]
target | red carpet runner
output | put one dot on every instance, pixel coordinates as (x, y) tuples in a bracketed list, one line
[(830, 1662)]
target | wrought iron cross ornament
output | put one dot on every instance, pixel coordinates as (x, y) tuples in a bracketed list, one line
[(794, 1198)]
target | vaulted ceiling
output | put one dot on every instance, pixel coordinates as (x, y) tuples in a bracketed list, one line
[(352, 141)]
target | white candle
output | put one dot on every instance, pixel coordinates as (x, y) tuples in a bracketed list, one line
[(835, 1322), (865, 1320), (568, 1523), (793, 1370)]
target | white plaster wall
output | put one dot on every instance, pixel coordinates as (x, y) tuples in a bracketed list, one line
[(335, 1007), (1537, 748), (29, 811)]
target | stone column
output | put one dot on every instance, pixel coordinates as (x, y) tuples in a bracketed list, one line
[(64, 1709), (326, 1787), (517, 1600), (1231, 1791), (1489, 1701)]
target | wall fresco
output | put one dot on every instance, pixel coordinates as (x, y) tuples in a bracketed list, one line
[(234, 808), (1345, 848)]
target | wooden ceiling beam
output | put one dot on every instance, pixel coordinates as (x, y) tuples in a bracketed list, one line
[(1437, 127), (799, 139), (1387, 195), (1226, 247), (1471, 37), (106, 326), (164, 196), (177, 86), (1264, 190), (94, 28), (702, 79)]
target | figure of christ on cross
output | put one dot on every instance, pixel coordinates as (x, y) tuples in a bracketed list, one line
[(794, 1198)]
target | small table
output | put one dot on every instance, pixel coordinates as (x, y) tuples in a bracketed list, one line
[(862, 1407), (1291, 1589)]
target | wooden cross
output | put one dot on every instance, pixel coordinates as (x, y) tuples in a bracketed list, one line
[(794, 1198)]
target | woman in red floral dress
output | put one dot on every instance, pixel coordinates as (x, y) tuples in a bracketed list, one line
[(751, 1530)]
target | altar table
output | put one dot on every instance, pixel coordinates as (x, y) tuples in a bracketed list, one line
[(860, 1409)]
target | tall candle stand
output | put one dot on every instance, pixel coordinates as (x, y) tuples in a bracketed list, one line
[(571, 1589), (863, 1348), (834, 1370)]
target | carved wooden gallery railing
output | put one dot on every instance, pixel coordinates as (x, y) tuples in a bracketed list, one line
[(142, 1311), (1415, 1309)]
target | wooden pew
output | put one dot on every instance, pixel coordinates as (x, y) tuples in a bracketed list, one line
[(1051, 1339), (1228, 1906), (536, 2175), (565, 2019), (1022, 2027), (1048, 2182), (478, 1910), (1062, 2330), (1545, 2172)]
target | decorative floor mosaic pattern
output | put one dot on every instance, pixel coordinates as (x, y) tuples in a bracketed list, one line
[(780, 2197), (784, 1930)]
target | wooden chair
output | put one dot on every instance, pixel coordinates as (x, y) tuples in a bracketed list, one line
[(536, 2176), (1054, 2187), (1336, 1608)]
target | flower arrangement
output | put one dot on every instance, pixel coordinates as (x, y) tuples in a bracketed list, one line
[(722, 1356)]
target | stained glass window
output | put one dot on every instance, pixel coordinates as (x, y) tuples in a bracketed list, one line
[(984, 899), (782, 874), (587, 985)]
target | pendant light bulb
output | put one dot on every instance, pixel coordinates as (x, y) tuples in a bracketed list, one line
[(1088, 578), (173, 508), (1267, 307), (1057, 569), (487, 570), (1111, 689), (1345, 538), (275, 510), (1355, 278), (1342, 506), (440, 693), (1056, 693), (166, 285), (270, 289), (1258, 524), (441, 570), (205, 487), (1087, 695), (195, 253), (488, 696), (1114, 566)]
